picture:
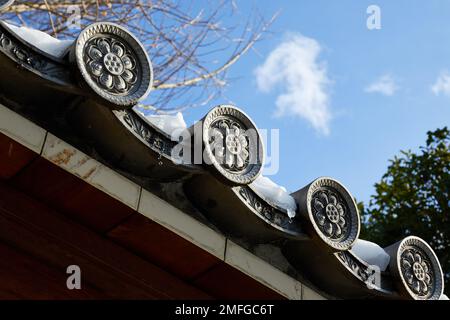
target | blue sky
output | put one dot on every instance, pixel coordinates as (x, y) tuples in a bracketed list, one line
[(373, 89)]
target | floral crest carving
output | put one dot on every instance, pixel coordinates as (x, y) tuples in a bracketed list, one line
[(113, 63), (232, 144), (331, 213), (419, 269), (416, 268)]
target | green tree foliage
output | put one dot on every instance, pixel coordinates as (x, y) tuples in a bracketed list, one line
[(413, 198)]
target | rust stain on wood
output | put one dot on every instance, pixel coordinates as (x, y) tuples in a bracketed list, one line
[(82, 161), (89, 173), (62, 157)]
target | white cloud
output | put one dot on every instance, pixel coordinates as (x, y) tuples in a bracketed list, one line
[(442, 85), (294, 67), (384, 85)]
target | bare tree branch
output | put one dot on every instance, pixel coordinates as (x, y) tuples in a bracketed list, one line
[(186, 40)]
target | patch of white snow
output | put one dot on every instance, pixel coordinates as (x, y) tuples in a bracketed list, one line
[(168, 123), (372, 253), (274, 194), (42, 40)]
